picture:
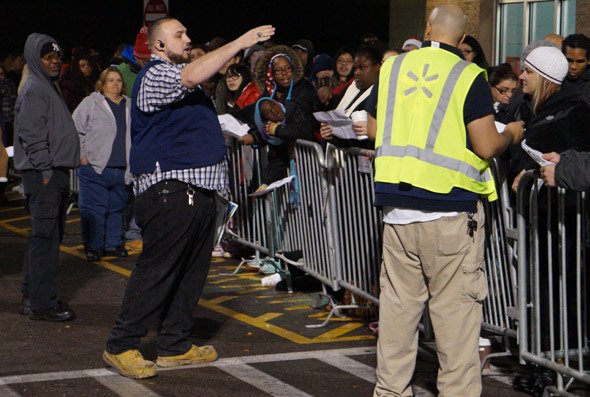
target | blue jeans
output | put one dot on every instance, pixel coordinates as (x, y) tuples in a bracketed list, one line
[(101, 200)]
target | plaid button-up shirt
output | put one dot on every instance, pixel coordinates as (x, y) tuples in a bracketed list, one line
[(160, 87)]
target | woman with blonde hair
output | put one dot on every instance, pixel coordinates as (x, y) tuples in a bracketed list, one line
[(561, 117), (103, 123)]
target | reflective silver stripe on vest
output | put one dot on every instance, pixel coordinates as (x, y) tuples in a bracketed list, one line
[(427, 155), (430, 157), (443, 103), (397, 63)]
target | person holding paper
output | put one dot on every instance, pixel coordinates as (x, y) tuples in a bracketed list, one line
[(279, 75), (431, 116), (561, 117), (367, 63)]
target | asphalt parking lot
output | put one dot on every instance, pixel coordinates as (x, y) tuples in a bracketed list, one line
[(264, 345)]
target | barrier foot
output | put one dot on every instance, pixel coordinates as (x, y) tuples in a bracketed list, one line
[(242, 263), (335, 310), (492, 355), (254, 261)]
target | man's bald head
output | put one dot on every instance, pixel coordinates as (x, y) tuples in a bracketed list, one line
[(555, 39), (447, 24), (155, 29)]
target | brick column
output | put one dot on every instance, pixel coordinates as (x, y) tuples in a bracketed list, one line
[(583, 17)]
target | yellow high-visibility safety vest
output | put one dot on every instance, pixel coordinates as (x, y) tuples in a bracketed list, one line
[(421, 136)]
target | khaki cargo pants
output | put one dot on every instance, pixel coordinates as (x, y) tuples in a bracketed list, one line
[(441, 263)]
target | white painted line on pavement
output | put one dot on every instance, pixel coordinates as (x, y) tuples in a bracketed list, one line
[(363, 371), (262, 381), (351, 366), (125, 387), (100, 372), (6, 391)]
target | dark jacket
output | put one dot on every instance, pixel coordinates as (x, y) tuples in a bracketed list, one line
[(561, 124), (45, 136), (573, 170), (581, 84)]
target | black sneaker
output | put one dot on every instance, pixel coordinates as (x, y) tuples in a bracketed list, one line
[(61, 312), (92, 255), (25, 307), (119, 251)]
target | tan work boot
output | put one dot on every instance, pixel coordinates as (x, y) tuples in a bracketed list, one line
[(131, 364), (195, 355)]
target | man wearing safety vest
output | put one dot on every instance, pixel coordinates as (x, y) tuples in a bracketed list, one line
[(431, 116)]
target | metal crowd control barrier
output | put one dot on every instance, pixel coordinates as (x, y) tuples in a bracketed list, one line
[(553, 281), (357, 225), (249, 226), (73, 190), (333, 222), (499, 309)]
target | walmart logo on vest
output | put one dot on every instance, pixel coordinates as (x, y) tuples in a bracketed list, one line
[(420, 84)]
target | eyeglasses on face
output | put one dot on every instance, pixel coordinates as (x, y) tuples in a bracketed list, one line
[(285, 70), (467, 52), (504, 90), (344, 62), (233, 77)]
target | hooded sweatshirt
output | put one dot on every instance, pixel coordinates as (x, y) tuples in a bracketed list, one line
[(45, 136)]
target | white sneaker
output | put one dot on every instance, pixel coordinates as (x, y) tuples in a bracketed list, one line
[(218, 252)]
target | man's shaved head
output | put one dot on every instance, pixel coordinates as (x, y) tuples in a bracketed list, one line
[(155, 29), (447, 24)]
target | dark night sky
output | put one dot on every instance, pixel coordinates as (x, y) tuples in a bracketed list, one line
[(106, 23)]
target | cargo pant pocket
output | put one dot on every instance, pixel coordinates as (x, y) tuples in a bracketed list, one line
[(44, 207), (475, 286)]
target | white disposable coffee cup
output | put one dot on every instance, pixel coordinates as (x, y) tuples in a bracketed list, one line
[(357, 117)]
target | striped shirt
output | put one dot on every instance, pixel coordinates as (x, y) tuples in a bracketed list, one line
[(161, 86)]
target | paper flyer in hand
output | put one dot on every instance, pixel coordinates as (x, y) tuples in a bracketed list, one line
[(341, 124), (272, 186), (232, 126), (535, 154)]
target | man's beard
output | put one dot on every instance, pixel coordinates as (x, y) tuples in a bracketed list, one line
[(178, 58)]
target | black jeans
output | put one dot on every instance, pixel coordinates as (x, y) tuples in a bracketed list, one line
[(170, 274), (48, 205)]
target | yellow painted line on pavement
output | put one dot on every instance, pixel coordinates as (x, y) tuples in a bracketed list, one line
[(253, 289), (295, 308), (20, 218), (11, 209), (14, 229), (344, 329), (260, 322), (269, 316), (73, 220)]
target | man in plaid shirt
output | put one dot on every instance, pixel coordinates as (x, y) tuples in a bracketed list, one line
[(177, 161)]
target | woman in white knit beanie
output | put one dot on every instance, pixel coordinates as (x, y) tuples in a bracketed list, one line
[(561, 117)]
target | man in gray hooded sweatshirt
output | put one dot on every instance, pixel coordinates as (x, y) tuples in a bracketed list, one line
[(46, 147)]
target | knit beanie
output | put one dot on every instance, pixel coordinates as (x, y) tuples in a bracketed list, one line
[(548, 62), (141, 48), (413, 42), (321, 62), (50, 46)]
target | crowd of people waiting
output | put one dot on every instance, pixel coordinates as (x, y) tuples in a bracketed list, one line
[(299, 83), (275, 89)]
